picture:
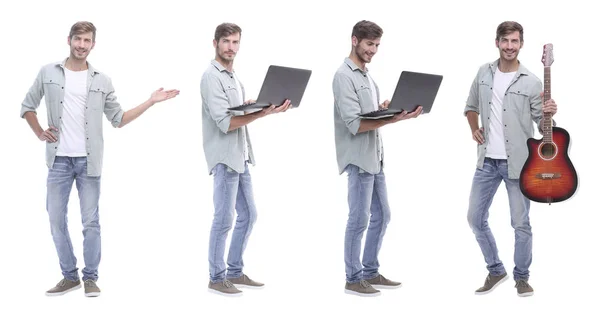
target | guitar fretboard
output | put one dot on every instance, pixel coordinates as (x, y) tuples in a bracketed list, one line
[(547, 121)]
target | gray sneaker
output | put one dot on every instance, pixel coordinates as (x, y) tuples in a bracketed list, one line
[(523, 288), (225, 288), (362, 288), (91, 289), (491, 281), (381, 282), (245, 281), (63, 287)]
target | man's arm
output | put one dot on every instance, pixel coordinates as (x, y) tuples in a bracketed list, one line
[(240, 121), (159, 95), (28, 110), (472, 112), (473, 119), (216, 100)]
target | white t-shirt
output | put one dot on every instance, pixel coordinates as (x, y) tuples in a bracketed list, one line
[(496, 144), (376, 107), (72, 123), (241, 97)]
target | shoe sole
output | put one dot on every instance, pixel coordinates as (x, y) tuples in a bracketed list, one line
[(347, 291), (65, 291), (386, 286), (92, 294), (210, 290), (248, 286), (493, 287), (525, 294)]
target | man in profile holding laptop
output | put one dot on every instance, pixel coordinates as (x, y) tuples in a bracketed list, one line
[(359, 152), (228, 151)]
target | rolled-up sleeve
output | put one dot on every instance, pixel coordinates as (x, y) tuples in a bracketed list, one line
[(33, 96), (347, 102), (214, 97), (473, 99), (112, 108)]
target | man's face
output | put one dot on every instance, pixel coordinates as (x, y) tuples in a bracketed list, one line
[(81, 45), (509, 46), (366, 48), (227, 47)]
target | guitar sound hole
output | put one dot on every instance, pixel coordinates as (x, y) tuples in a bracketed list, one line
[(548, 150)]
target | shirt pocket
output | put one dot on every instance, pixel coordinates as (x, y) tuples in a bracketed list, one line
[(365, 99), (53, 90), (97, 97), (518, 100), (232, 95)]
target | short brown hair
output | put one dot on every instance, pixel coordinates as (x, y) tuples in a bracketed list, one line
[(83, 27), (508, 27), (366, 30), (225, 30)]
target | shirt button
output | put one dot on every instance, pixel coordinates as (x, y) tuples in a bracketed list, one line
[(62, 87)]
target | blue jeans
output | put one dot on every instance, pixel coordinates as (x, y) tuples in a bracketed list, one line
[(485, 184), (232, 190), (64, 171), (367, 194)]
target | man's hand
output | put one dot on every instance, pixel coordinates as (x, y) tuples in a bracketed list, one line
[(406, 115), (275, 109), (48, 136), (384, 105), (162, 95), (478, 136), (549, 106)]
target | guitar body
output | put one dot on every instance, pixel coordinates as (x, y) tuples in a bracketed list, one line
[(548, 176)]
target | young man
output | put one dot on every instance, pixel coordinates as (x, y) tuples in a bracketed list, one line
[(507, 98), (359, 152), (228, 149), (76, 95)]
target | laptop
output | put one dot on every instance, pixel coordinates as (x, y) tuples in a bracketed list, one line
[(413, 89), (280, 83)]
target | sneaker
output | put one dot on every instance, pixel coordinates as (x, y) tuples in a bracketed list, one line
[(91, 289), (225, 288), (362, 288), (381, 282), (490, 283), (245, 281), (523, 288), (63, 287)]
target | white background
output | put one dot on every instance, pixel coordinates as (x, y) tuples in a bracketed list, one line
[(156, 202)]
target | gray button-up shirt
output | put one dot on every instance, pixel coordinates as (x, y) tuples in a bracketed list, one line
[(521, 106), (219, 92), (101, 98), (352, 96)]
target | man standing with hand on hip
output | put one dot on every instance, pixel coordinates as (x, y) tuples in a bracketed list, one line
[(76, 96), (507, 98)]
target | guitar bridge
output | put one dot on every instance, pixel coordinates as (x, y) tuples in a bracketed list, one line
[(548, 175)]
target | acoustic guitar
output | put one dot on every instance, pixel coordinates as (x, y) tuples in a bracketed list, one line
[(548, 175)]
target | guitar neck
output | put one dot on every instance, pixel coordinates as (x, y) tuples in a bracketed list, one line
[(547, 120)]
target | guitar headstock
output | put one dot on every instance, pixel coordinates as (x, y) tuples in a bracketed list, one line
[(548, 55)]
